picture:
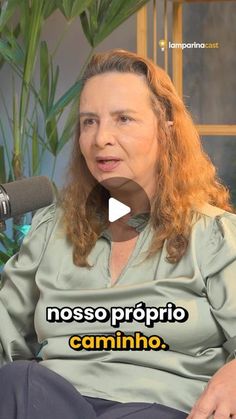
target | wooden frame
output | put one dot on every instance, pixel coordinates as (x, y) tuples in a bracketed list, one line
[(177, 54)]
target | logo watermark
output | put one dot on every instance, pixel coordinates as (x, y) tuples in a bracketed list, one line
[(189, 45), (162, 44)]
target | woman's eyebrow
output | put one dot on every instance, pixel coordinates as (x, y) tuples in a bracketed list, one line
[(116, 112)]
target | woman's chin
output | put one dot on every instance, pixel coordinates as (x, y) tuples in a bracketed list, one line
[(107, 177), (115, 182)]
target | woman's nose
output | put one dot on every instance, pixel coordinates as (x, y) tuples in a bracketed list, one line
[(104, 135)]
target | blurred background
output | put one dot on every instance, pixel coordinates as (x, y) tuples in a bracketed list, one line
[(44, 47)]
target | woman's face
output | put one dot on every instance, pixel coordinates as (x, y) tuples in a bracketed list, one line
[(118, 128)]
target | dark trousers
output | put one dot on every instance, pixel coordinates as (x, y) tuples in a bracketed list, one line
[(31, 391)]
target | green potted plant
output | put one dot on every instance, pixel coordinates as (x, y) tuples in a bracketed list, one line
[(34, 117)]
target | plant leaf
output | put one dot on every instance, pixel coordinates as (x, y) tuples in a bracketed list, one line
[(103, 6), (35, 151), (32, 35), (72, 9), (11, 50), (110, 18), (53, 87), (16, 128), (24, 229), (3, 258), (65, 99), (44, 76), (8, 7), (49, 8), (86, 29), (7, 242), (52, 135), (2, 166), (68, 130), (93, 18), (24, 18)]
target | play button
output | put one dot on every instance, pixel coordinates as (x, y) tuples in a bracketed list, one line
[(117, 208)]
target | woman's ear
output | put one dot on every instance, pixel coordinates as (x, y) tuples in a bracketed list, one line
[(170, 123)]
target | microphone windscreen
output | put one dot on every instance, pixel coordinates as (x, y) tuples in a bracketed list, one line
[(29, 194)]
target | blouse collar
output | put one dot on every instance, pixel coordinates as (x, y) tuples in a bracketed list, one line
[(137, 221)]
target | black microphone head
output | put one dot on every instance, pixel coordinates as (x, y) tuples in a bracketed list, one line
[(29, 194)]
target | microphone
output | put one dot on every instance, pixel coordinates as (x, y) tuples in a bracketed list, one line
[(21, 196)]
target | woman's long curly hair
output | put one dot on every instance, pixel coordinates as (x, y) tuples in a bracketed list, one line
[(185, 176)]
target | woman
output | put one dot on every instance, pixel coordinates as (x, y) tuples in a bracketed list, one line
[(134, 138)]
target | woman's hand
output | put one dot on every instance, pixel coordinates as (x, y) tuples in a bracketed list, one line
[(219, 397)]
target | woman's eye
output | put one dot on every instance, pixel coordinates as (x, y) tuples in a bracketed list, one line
[(91, 121), (88, 122), (125, 118)]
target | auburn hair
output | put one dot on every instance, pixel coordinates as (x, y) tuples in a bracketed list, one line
[(185, 175)]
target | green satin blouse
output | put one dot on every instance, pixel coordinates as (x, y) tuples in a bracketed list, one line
[(203, 282)]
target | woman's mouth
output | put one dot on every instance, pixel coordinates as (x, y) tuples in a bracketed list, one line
[(107, 164)]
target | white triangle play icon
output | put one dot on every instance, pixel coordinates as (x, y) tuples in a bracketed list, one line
[(116, 209)]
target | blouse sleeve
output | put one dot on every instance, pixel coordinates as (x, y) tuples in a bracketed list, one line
[(220, 274), (19, 293)]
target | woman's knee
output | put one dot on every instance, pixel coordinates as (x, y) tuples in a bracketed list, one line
[(14, 372)]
